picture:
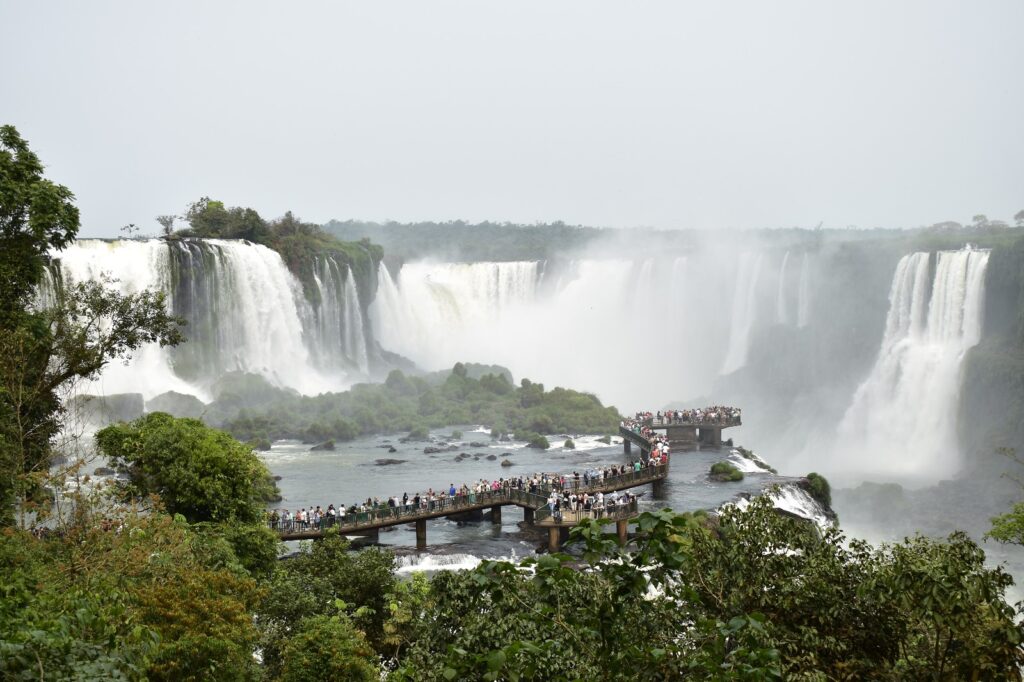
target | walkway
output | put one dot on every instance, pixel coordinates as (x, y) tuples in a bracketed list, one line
[(535, 506)]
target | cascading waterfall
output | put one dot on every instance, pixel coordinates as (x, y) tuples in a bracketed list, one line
[(593, 324), (744, 312), (803, 304), (130, 267), (781, 312), (434, 311), (901, 423), (245, 312), (340, 339), (354, 334)]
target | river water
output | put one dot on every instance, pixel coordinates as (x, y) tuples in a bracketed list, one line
[(350, 474)]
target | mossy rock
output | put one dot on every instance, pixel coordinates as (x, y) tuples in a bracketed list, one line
[(725, 472), (569, 444)]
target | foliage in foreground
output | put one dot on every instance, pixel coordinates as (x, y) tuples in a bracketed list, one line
[(747, 595), (755, 596), (202, 473)]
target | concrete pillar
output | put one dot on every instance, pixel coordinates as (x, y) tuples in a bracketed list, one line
[(627, 446), (421, 534), (528, 515), (620, 529), (554, 539), (496, 515)]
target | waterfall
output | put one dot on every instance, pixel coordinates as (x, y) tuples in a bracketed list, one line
[(338, 318), (436, 312), (355, 337), (781, 314), (131, 267), (744, 312), (803, 304), (902, 419), (245, 311)]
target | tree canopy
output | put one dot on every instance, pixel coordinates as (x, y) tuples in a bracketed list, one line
[(198, 472)]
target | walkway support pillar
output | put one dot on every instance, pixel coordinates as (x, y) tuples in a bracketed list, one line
[(554, 539), (496, 515), (620, 528), (421, 534), (627, 446), (528, 515)]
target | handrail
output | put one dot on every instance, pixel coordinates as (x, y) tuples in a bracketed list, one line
[(661, 422), (567, 517)]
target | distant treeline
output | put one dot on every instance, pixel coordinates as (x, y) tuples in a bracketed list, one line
[(458, 240)]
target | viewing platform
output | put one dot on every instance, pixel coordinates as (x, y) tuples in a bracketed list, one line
[(681, 433), (534, 504)]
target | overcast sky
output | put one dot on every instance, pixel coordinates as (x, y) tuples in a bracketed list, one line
[(742, 114)]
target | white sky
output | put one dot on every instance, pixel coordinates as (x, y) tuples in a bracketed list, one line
[(713, 114)]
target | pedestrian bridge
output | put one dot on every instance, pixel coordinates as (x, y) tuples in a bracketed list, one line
[(682, 434), (534, 505)]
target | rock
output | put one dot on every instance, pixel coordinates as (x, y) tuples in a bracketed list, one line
[(504, 438), (177, 404), (506, 463), (392, 449), (104, 471), (388, 462), (431, 450), (276, 478), (100, 411), (326, 445), (261, 444), (477, 444), (491, 458)]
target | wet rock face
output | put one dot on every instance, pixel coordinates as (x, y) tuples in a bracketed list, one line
[(388, 462), (325, 446)]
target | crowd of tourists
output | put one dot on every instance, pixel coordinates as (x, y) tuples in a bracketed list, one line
[(568, 491), (585, 504), (716, 415)]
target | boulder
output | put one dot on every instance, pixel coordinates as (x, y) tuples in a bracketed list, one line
[(177, 405), (388, 462), (491, 458), (100, 411), (506, 463), (326, 445)]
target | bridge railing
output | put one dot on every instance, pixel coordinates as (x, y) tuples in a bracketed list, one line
[(663, 421), (615, 512), (354, 521)]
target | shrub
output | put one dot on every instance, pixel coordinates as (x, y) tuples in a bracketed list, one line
[(819, 489), (569, 445), (724, 471)]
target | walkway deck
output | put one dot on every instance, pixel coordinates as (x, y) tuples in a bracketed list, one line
[(534, 504)]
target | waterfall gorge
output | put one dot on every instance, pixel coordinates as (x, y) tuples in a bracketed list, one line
[(589, 323)]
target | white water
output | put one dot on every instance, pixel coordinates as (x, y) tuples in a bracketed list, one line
[(586, 324), (803, 305), (744, 312), (246, 312), (796, 500), (781, 310), (901, 423), (133, 266)]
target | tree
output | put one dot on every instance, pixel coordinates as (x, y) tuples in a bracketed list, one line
[(47, 346), (36, 215), (1018, 218), (980, 220), (166, 224), (198, 472), (328, 648)]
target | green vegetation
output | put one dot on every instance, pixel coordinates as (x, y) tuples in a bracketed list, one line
[(198, 472), (607, 440), (298, 243), (752, 595), (569, 444), (44, 352), (819, 489), (414, 405), (724, 471)]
